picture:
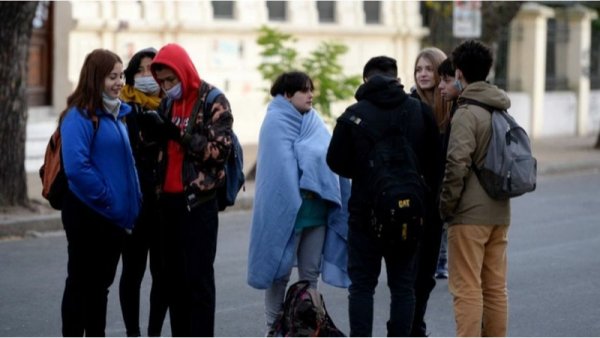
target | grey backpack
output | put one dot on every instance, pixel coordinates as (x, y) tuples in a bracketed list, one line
[(509, 169)]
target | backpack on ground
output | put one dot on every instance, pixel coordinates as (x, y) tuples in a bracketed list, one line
[(234, 166), (304, 314), (52, 174), (394, 182), (509, 169)]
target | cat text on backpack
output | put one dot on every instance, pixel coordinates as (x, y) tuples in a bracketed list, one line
[(395, 186)]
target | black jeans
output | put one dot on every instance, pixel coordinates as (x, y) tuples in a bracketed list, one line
[(426, 265), (365, 253), (94, 247), (144, 239), (189, 247)]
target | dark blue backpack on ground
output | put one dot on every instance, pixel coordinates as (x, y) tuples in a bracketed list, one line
[(234, 166)]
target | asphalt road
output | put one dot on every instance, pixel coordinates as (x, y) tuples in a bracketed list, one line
[(554, 274)]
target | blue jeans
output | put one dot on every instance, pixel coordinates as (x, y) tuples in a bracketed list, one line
[(365, 253)]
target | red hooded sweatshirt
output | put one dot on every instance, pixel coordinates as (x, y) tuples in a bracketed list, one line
[(175, 57)]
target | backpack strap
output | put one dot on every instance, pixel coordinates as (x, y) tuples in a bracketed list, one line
[(210, 99), (490, 109), (195, 110), (357, 119), (205, 104), (464, 100)]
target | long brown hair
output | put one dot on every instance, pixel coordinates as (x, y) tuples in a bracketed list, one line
[(88, 93), (441, 109)]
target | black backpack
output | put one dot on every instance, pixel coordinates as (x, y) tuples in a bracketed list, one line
[(304, 314), (393, 180)]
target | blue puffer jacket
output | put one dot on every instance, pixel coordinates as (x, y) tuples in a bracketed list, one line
[(99, 165)]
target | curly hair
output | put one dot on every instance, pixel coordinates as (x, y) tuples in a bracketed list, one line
[(473, 59)]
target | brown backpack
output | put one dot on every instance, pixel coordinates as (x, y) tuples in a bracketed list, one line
[(54, 180)]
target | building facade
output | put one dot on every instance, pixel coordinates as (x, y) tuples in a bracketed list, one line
[(220, 36), (221, 39)]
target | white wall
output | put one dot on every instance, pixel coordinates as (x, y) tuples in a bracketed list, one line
[(520, 108), (559, 109), (594, 117)]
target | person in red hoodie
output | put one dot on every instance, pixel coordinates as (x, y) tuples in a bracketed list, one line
[(191, 167)]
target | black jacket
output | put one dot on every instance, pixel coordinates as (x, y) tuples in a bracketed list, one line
[(143, 137), (378, 99)]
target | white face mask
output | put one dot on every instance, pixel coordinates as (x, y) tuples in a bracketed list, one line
[(146, 84), (175, 92)]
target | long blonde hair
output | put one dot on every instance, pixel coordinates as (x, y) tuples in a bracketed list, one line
[(441, 109)]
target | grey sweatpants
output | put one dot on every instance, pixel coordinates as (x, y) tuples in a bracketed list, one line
[(309, 247)]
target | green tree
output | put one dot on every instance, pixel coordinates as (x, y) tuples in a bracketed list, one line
[(15, 32), (278, 56), (321, 65), (326, 72)]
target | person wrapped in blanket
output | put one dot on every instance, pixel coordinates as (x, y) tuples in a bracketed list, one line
[(300, 208)]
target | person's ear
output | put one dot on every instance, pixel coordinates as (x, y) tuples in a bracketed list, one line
[(458, 75)]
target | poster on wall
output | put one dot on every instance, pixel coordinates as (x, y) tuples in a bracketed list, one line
[(466, 19)]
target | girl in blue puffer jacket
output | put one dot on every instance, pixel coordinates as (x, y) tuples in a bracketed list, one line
[(104, 195)]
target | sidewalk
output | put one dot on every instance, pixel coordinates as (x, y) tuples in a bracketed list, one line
[(555, 155)]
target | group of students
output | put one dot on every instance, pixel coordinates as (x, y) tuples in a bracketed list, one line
[(142, 177), (313, 210)]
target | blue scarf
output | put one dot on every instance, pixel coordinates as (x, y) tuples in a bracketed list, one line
[(292, 152)]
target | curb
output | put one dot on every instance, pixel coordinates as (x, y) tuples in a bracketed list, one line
[(569, 167), (33, 225)]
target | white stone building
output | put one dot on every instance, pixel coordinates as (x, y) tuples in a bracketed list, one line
[(221, 39), (220, 36)]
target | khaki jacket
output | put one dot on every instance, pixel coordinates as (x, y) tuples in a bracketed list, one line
[(463, 200)]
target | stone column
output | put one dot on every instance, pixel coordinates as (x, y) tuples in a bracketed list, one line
[(527, 59), (578, 61), (63, 23)]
